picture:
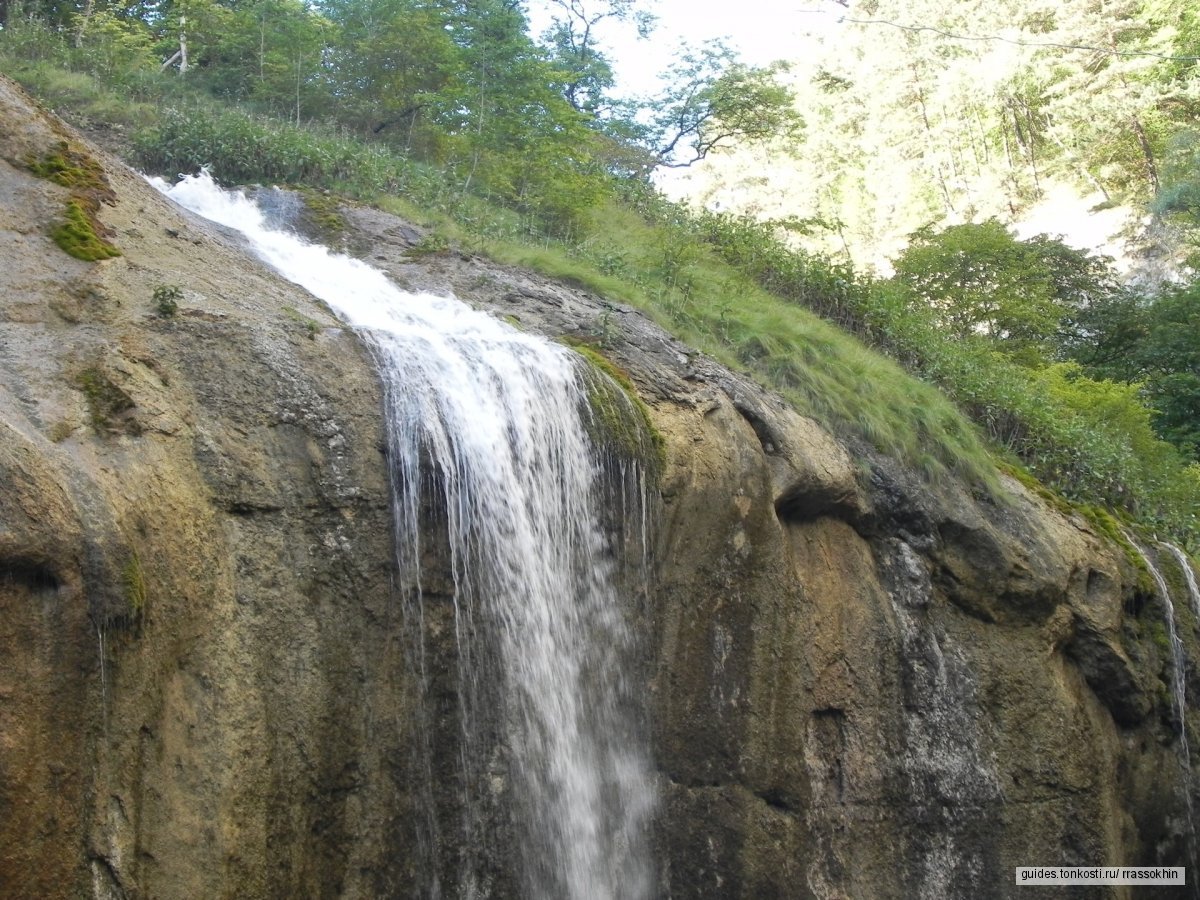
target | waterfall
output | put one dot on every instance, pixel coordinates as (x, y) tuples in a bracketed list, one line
[(489, 427), (1178, 660), (1189, 575), (1178, 684)]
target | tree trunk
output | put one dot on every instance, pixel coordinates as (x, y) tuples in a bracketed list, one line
[(84, 18), (1147, 154), (183, 60)]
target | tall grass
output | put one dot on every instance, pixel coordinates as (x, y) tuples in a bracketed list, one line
[(807, 327)]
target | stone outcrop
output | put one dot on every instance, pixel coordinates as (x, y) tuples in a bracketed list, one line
[(861, 685)]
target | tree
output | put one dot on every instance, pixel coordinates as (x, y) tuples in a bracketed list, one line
[(572, 39), (714, 101), (981, 282), (393, 63), (1155, 343), (270, 52)]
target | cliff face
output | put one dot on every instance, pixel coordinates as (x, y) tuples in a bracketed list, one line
[(859, 685)]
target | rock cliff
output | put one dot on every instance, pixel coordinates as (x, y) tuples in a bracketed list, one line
[(860, 685)]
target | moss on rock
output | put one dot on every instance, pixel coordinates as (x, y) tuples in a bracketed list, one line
[(323, 216), (74, 169), (107, 403), (619, 419), (81, 234)]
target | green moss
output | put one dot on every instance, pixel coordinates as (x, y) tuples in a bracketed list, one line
[(79, 235), (323, 216), (60, 431), (1026, 478), (1108, 525), (107, 403), (134, 579), (1159, 637), (74, 169), (620, 419)]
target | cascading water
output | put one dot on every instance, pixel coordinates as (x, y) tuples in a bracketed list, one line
[(489, 426), (1178, 686), (1178, 660), (1189, 575)]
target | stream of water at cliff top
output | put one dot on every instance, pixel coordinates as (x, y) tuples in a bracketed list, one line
[(486, 423)]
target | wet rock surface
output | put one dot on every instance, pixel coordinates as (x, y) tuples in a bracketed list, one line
[(860, 685)]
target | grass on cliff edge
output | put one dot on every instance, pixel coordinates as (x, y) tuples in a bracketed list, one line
[(638, 248), (616, 250), (826, 373)]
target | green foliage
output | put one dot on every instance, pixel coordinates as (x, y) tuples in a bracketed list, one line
[(1180, 193), (113, 45), (714, 101), (431, 243), (133, 578), (245, 148), (398, 56), (311, 326), (830, 289), (980, 281), (166, 299), (497, 160), (1088, 439), (267, 52), (1153, 342)]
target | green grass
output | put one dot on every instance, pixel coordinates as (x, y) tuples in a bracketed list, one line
[(134, 578), (730, 289)]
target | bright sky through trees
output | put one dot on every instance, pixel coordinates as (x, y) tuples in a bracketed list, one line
[(761, 31)]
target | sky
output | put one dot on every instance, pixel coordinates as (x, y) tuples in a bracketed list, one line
[(760, 30)]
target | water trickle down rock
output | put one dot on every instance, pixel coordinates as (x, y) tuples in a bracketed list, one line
[(1189, 575), (1178, 683)]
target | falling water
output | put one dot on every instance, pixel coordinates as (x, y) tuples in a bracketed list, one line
[(1189, 574), (488, 425), (1178, 687), (1178, 660), (103, 652)]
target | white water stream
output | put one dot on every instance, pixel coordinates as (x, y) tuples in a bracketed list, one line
[(1189, 575), (1178, 660), (486, 424)]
